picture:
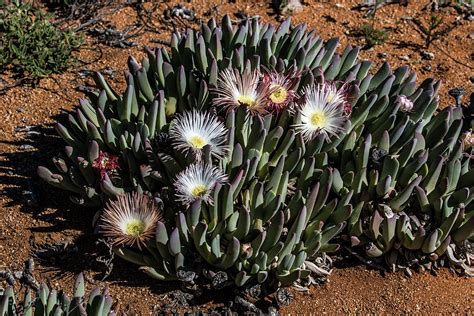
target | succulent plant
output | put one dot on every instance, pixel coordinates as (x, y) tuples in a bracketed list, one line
[(413, 192), (52, 302), (251, 224), (107, 134), (258, 146)]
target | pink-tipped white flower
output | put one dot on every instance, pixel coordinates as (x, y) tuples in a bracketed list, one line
[(322, 112), (192, 131), (130, 220), (281, 89), (235, 90), (338, 95), (406, 105), (197, 182)]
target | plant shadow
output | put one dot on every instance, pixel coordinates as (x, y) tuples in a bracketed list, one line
[(55, 217), (410, 45)]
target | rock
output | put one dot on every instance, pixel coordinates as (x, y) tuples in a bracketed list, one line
[(427, 55), (404, 58), (471, 79), (427, 67), (382, 55), (26, 147), (291, 7)]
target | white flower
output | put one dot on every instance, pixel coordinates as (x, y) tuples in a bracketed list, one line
[(130, 220), (197, 182), (235, 90), (468, 139), (406, 105), (191, 131), (322, 112)]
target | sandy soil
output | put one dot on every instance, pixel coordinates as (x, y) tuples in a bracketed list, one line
[(28, 221)]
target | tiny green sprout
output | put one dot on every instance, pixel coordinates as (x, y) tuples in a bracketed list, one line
[(372, 35), (433, 24)]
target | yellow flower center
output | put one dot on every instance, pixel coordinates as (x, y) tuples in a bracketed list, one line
[(279, 95), (104, 162), (135, 227), (199, 190), (197, 141), (246, 100), (318, 119)]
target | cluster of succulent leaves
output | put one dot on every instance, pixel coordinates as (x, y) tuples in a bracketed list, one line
[(52, 302), (30, 44), (396, 184)]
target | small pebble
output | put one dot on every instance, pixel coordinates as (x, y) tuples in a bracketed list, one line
[(26, 147), (427, 67), (381, 55), (427, 55), (404, 57)]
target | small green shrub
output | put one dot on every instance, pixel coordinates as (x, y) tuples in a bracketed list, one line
[(433, 24), (30, 44), (372, 35)]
